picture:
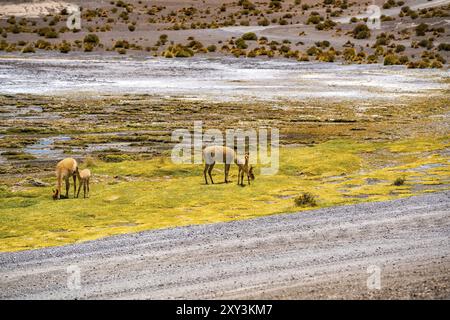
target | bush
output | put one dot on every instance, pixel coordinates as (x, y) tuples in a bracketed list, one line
[(115, 157), (184, 53), (121, 44), (212, 48), (65, 47), (349, 54), (399, 181), (436, 64), (28, 49), (251, 54), (444, 47), (284, 48), (88, 47), (400, 48), (373, 58), (303, 57), (390, 60), (403, 60), (51, 34), (240, 44), (323, 44), (131, 27), (425, 44), (42, 44), (91, 39), (327, 25), (361, 31), (263, 22), (326, 56), (305, 199), (15, 29), (312, 51), (251, 36), (314, 19), (421, 29)]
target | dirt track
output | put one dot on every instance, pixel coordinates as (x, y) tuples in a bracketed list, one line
[(317, 254)]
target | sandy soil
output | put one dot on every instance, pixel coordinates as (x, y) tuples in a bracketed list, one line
[(317, 254), (32, 9)]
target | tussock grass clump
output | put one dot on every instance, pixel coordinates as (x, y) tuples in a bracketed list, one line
[(306, 199), (399, 181), (123, 44), (251, 36), (28, 49), (92, 39), (212, 48), (361, 31), (51, 34), (263, 22), (391, 59), (444, 47), (178, 51), (314, 18), (240, 44), (65, 47), (327, 25)]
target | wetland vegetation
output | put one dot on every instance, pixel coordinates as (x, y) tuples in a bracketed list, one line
[(331, 154)]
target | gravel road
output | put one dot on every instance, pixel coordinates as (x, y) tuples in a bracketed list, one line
[(326, 253)]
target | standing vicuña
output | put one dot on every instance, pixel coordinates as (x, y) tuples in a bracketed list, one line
[(84, 176), (244, 168), (64, 170), (213, 153), (227, 156)]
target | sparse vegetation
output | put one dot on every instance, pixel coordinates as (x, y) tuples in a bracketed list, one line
[(305, 199), (251, 36), (361, 31), (399, 181)]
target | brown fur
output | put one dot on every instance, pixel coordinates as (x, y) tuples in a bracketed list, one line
[(227, 155), (244, 168), (65, 169), (84, 177)]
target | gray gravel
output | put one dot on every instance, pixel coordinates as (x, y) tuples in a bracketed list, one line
[(323, 253)]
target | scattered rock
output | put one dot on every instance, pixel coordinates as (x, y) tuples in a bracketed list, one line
[(32, 182)]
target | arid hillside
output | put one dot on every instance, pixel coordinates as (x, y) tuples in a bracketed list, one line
[(413, 32)]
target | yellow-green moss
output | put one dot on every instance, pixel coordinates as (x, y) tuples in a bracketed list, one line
[(139, 195)]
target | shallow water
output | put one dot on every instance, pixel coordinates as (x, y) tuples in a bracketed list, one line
[(221, 79), (44, 148)]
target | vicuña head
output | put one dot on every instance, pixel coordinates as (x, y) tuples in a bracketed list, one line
[(55, 194)]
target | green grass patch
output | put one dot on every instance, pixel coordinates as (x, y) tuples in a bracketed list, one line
[(140, 195)]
